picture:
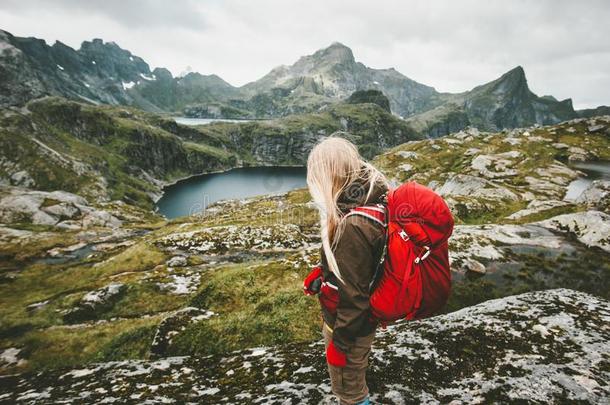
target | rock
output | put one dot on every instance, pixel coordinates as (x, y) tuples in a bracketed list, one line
[(591, 227), (545, 187), (578, 154), (94, 303), (224, 239), (406, 154), (405, 167), (596, 195), (537, 206), (177, 261), (181, 284), (62, 210), (512, 141), (57, 208), (22, 178), (596, 128), (172, 325), (543, 347), (471, 186), (10, 357), (490, 242), (498, 165), (560, 146), (474, 266), (94, 217), (557, 173), (37, 306)]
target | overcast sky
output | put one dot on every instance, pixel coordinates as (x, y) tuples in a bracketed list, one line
[(452, 45)]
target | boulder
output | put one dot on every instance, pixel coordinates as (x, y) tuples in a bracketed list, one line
[(173, 324), (472, 186), (590, 227), (406, 154), (177, 261), (541, 347), (490, 242), (496, 166), (474, 266), (596, 195), (57, 208), (537, 206), (94, 303)]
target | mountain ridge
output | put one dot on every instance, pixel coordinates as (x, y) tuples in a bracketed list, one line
[(103, 72)]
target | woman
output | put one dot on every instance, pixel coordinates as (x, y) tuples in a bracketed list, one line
[(352, 245)]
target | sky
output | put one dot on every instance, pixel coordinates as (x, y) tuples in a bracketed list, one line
[(452, 45)]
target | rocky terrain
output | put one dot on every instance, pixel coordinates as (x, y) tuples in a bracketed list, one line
[(100, 72), (541, 347), (101, 297)]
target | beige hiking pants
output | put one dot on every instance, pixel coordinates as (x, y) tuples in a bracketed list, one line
[(349, 383)]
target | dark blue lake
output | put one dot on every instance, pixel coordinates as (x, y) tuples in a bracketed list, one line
[(191, 195)]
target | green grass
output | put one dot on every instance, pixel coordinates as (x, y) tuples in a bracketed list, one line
[(64, 347), (258, 304)]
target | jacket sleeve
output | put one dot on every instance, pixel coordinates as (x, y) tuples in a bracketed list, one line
[(357, 257)]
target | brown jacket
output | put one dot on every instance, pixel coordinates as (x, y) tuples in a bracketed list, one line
[(357, 254)]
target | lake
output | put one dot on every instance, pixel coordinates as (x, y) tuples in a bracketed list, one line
[(192, 195), (202, 121), (594, 170)]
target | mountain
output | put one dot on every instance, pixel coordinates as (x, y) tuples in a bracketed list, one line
[(592, 112), (507, 102), (102, 72), (332, 73), (98, 72)]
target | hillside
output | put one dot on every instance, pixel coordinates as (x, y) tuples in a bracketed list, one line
[(106, 153)]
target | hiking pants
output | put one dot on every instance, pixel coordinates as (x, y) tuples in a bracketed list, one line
[(349, 383)]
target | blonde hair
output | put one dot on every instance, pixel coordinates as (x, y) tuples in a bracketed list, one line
[(335, 167)]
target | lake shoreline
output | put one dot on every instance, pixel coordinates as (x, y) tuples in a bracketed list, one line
[(229, 184)]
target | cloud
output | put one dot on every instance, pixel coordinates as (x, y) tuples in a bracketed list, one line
[(129, 13), (451, 45)]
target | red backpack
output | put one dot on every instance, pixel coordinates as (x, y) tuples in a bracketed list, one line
[(414, 280)]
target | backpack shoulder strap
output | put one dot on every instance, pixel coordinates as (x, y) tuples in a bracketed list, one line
[(376, 213)]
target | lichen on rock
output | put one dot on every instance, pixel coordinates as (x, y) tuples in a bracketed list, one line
[(547, 346)]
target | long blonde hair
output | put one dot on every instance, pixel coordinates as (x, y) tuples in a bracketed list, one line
[(335, 167)]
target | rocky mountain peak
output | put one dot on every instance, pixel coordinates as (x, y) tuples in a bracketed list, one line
[(513, 80), (334, 54)]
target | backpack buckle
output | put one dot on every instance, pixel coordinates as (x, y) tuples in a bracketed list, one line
[(424, 256), (403, 235)]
